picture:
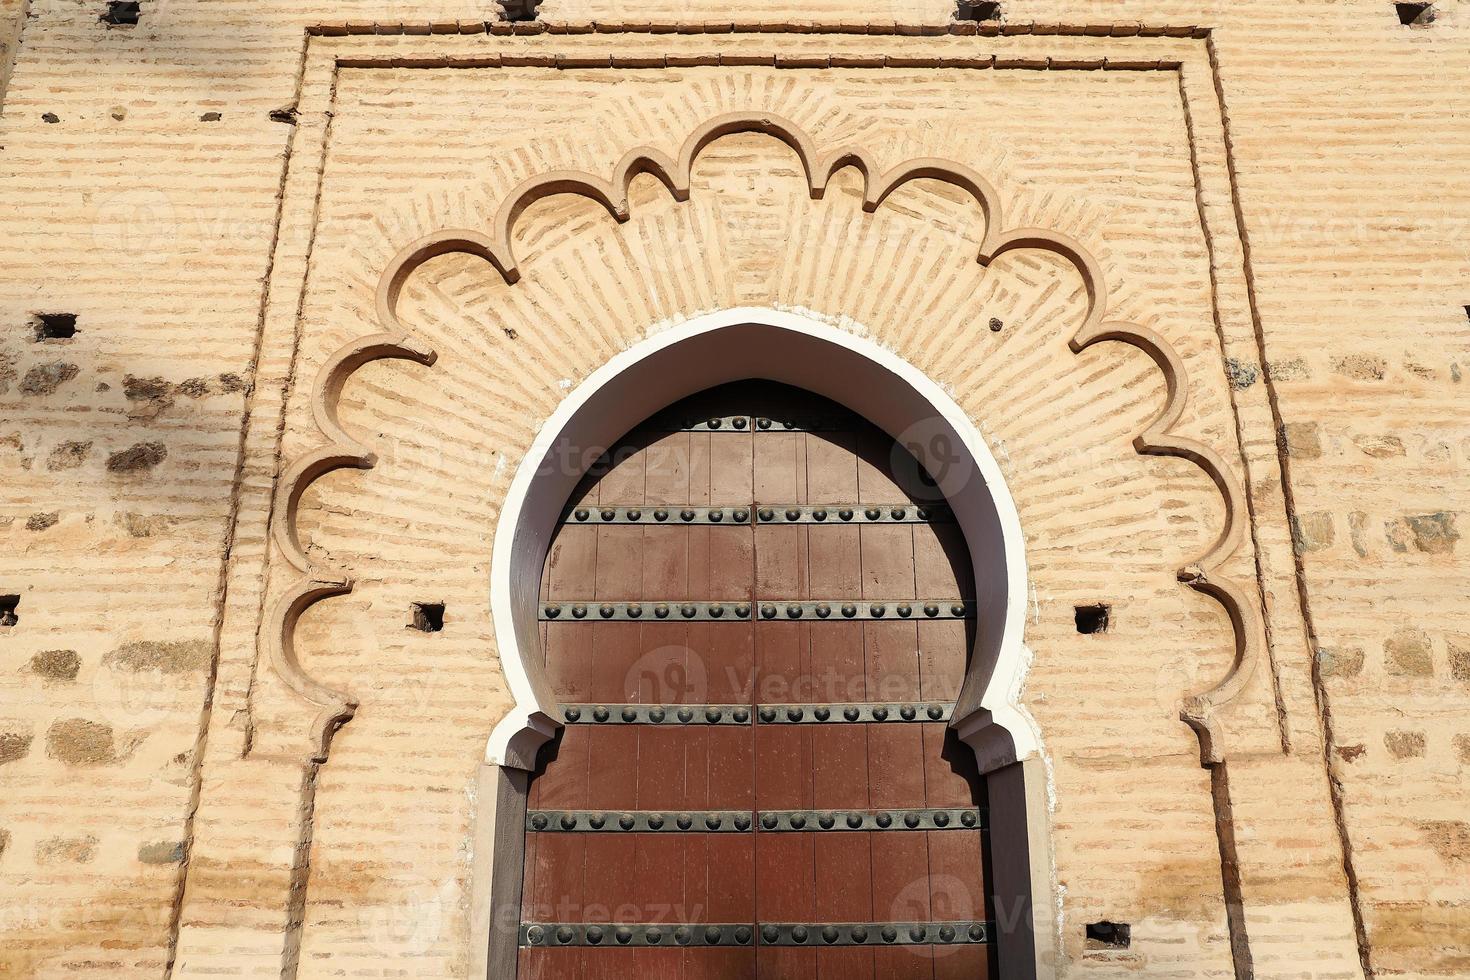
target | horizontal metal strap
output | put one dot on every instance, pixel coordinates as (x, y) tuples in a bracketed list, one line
[(739, 514), (630, 934), (730, 514), (854, 713), (551, 934), (743, 821), (656, 714), (834, 610), (840, 514), (757, 423), (641, 821), (950, 818), (873, 933), (851, 712)]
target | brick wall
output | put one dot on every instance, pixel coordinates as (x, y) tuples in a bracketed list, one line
[(142, 173), (12, 17)]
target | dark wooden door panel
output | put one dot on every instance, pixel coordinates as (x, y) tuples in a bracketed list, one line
[(652, 891)]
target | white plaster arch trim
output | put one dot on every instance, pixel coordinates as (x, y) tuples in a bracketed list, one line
[(733, 345)]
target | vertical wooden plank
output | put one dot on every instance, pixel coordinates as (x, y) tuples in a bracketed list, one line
[(620, 562), (834, 561), (550, 964), (956, 874), (563, 783), (942, 562), (963, 963), (951, 778), (720, 869), (666, 670), (619, 674), (719, 963), (571, 575), (657, 883), (571, 564), (891, 661), (957, 891), (731, 768), (731, 893), (731, 470), (943, 653), (667, 468), (624, 483), (888, 561), (611, 785), (611, 860), (731, 556), (783, 752), (560, 884), (838, 663), (875, 454), (895, 752), (727, 658), (665, 552), (568, 666), (784, 861), (777, 479), (785, 892), (780, 563), (664, 664), (604, 963), (615, 673), (701, 468), (843, 872), (658, 964), (891, 647), (784, 885), (895, 765), (659, 776), (901, 894), (832, 468), (728, 897)]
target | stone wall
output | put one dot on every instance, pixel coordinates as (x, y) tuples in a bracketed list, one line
[(144, 170), (12, 17)]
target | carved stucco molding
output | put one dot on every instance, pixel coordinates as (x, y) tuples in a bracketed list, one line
[(1202, 574), (320, 579)]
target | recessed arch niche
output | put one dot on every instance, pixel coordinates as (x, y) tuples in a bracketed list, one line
[(792, 349)]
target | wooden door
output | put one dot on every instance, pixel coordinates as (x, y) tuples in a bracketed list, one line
[(756, 617)]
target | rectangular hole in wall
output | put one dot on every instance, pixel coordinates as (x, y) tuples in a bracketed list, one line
[(427, 617), (1109, 935), (8, 606), (519, 11), (122, 13), (1415, 14), (1093, 619), (55, 326), (978, 11)]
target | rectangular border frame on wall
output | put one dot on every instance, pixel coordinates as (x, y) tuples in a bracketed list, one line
[(1186, 51)]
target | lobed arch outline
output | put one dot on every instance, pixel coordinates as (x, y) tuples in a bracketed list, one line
[(322, 580), (988, 714), (531, 717)]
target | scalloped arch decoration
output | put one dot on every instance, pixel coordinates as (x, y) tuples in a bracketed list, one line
[(320, 580), (1202, 574)]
